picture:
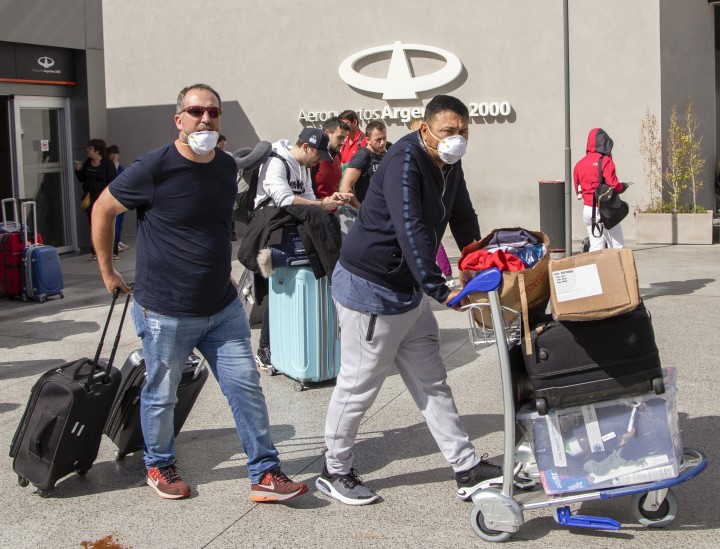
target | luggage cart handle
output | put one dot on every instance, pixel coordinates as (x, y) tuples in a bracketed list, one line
[(485, 281)]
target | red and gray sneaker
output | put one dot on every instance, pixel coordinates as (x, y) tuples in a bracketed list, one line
[(274, 486), (167, 482)]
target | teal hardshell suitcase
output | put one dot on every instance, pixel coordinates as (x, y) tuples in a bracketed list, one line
[(304, 332)]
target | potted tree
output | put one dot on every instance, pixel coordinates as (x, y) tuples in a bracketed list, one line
[(666, 219)]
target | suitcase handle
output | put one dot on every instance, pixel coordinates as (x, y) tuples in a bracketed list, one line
[(117, 336), (96, 360), (30, 204), (16, 219)]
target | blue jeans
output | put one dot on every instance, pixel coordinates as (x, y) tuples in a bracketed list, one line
[(118, 227), (224, 340)]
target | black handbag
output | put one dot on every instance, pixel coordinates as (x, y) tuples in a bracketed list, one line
[(608, 203)]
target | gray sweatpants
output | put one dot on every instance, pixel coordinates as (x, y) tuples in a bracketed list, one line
[(411, 340)]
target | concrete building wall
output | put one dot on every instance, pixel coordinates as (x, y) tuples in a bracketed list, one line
[(688, 70), (59, 23), (270, 60), (615, 79)]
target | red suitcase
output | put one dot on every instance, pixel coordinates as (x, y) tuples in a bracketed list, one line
[(11, 246)]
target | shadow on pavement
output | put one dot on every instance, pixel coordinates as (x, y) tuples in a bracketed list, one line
[(27, 368), (674, 287), (31, 332)]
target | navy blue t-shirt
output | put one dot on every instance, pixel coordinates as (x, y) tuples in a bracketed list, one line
[(183, 248), (367, 162)]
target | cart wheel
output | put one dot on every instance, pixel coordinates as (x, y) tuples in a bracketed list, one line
[(477, 521), (271, 371), (542, 406), (658, 385), (23, 481), (42, 299), (43, 493), (62, 296), (658, 518), (298, 386)]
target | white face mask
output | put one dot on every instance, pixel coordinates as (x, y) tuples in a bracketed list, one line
[(202, 143), (450, 149)]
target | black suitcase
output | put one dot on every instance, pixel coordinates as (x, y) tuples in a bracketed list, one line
[(123, 425), (61, 429), (575, 363)]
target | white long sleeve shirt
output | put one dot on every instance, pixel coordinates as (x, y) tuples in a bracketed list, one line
[(273, 181)]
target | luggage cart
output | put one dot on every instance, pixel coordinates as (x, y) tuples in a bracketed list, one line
[(497, 513)]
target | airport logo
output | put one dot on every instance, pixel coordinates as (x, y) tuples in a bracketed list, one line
[(400, 83), (46, 62)]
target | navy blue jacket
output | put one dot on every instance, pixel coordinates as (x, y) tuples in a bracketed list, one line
[(408, 206)]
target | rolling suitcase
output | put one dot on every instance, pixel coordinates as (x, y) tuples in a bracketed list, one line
[(62, 426), (575, 363), (304, 332), (41, 273), (123, 424), (11, 247), (40, 270), (291, 250)]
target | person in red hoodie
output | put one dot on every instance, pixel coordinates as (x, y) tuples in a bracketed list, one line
[(586, 178)]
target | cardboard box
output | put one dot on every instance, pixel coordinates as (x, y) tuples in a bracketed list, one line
[(607, 444), (535, 279), (594, 285)]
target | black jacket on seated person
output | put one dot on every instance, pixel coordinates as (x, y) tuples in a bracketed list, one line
[(319, 230)]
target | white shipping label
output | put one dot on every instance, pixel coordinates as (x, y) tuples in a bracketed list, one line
[(592, 427), (556, 441), (577, 283)]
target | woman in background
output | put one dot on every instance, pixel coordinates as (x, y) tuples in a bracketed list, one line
[(95, 173), (113, 152)]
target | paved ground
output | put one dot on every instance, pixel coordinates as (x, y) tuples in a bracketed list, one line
[(112, 507)]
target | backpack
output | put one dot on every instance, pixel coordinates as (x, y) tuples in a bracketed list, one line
[(249, 162), (607, 203)]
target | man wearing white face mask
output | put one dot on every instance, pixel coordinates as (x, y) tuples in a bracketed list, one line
[(185, 298), (381, 285)]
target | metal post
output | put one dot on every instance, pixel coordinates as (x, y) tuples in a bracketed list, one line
[(568, 167)]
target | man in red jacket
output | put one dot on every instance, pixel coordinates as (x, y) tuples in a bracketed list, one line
[(586, 179), (356, 139), (327, 174)]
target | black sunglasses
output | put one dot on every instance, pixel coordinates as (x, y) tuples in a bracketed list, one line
[(197, 112)]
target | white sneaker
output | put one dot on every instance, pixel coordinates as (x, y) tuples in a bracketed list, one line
[(122, 247)]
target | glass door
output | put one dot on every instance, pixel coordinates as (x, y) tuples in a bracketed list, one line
[(44, 174)]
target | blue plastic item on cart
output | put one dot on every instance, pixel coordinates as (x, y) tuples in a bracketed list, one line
[(485, 281), (566, 518), (530, 255)]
